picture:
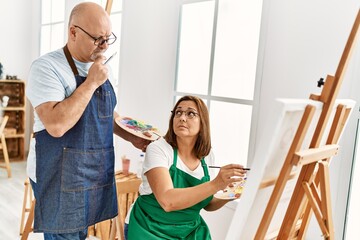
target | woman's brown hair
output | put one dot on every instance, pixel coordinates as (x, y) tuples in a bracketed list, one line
[(203, 142)]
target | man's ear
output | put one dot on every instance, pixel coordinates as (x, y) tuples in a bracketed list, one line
[(72, 32)]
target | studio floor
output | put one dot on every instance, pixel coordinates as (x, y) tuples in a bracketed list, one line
[(11, 201)]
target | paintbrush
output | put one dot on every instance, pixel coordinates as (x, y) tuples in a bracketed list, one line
[(247, 169), (107, 60)]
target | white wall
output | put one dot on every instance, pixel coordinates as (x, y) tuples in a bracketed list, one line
[(19, 41), (16, 32)]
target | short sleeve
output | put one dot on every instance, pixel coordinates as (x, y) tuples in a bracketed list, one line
[(43, 84), (158, 154)]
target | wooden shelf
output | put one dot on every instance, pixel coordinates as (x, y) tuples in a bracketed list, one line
[(15, 90), (15, 136), (21, 108)]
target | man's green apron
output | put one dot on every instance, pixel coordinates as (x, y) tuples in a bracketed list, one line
[(149, 221)]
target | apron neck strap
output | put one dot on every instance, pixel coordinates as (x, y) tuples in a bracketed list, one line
[(70, 60), (204, 166), (175, 157), (203, 163)]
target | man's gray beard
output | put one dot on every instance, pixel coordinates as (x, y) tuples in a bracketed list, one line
[(95, 55)]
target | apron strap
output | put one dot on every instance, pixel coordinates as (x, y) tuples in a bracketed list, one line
[(70, 60), (175, 157), (206, 171), (203, 164)]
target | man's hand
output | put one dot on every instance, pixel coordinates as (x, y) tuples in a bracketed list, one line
[(140, 143), (98, 72)]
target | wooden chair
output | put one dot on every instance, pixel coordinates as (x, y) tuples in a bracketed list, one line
[(26, 224), (3, 147), (127, 191), (29, 222), (28, 198), (127, 188)]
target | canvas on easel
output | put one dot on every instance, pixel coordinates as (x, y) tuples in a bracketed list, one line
[(289, 130), (289, 179), (306, 197)]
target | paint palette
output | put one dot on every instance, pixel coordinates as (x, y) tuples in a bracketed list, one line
[(232, 191), (138, 128)]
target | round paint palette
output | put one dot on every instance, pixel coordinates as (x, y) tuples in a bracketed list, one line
[(233, 191), (138, 128)]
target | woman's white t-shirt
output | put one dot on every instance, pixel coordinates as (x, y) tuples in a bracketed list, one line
[(161, 154)]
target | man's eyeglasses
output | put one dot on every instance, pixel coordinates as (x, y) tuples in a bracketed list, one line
[(100, 40), (189, 114)]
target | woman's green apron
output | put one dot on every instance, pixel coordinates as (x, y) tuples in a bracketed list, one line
[(149, 221)]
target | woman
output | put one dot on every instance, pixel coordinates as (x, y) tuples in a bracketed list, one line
[(176, 183)]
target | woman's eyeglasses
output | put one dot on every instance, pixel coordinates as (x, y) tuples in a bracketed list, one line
[(189, 114), (100, 40)]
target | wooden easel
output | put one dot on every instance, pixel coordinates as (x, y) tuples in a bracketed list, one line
[(312, 190), (108, 6)]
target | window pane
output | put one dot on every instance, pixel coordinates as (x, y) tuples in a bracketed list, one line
[(195, 47), (236, 48), (353, 208), (230, 132), (57, 36), (116, 28), (45, 40), (58, 10), (45, 11), (116, 6)]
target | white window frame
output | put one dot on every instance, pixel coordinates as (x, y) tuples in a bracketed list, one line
[(254, 103)]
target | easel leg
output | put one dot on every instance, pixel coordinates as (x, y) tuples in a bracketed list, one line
[(326, 198), (315, 207), (340, 118), (320, 206)]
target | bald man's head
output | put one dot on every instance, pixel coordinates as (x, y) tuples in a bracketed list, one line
[(88, 22), (87, 12)]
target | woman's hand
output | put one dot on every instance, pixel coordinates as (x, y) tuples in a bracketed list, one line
[(228, 174)]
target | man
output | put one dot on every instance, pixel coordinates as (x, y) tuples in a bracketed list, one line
[(73, 178)]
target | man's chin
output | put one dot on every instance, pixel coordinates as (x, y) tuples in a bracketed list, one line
[(95, 55)]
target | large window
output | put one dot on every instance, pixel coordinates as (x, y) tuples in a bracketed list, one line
[(52, 25), (217, 57)]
